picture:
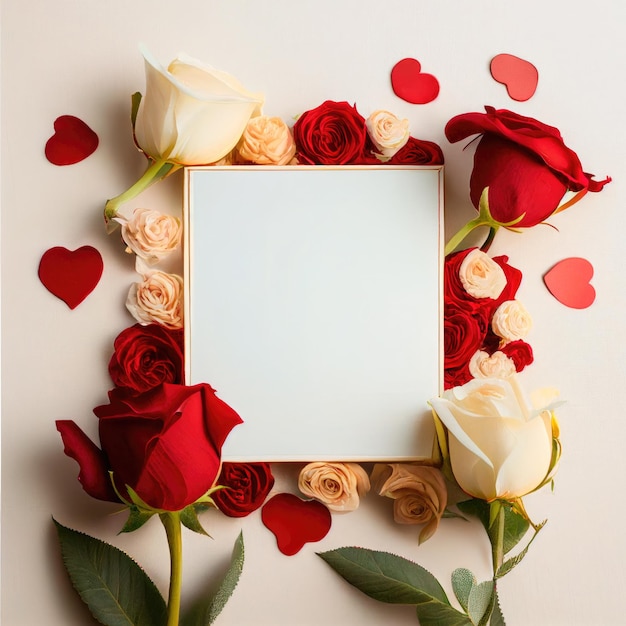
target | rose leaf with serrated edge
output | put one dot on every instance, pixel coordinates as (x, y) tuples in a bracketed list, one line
[(384, 576), (116, 590), (206, 610), (462, 582)]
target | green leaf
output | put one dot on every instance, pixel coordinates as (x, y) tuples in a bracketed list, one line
[(136, 519), (116, 590), (435, 613), (189, 518), (207, 609), (480, 601), (385, 577), (508, 565), (497, 619), (462, 582)]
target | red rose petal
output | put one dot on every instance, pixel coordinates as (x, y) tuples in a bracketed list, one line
[(72, 141), (410, 84), (520, 77), (295, 522), (71, 275), (568, 282)]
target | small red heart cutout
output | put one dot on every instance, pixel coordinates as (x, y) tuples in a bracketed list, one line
[(71, 275), (409, 83), (72, 141), (295, 522), (568, 282), (520, 77)]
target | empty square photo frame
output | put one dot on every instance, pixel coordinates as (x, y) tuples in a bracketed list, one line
[(313, 305)]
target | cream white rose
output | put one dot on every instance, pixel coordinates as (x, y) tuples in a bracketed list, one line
[(151, 235), (191, 114), (481, 276), (267, 141), (496, 365), (498, 446), (157, 298), (337, 485), (388, 132), (511, 321)]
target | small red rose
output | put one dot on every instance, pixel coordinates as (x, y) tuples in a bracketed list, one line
[(247, 486), (146, 357), (418, 152), (334, 133)]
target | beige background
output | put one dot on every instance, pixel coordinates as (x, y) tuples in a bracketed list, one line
[(80, 57)]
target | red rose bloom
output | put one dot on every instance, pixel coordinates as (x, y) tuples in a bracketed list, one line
[(524, 162), (519, 352), (334, 133), (247, 487), (147, 356), (463, 335), (418, 152), (166, 445)]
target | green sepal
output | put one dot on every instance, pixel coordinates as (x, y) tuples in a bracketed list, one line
[(116, 590), (135, 101), (189, 518), (462, 582), (206, 610), (136, 519), (385, 577), (509, 564)]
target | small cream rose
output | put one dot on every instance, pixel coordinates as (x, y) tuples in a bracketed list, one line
[(511, 321), (267, 141), (481, 276), (496, 365), (419, 493), (150, 235), (388, 132), (158, 298), (337, 485)]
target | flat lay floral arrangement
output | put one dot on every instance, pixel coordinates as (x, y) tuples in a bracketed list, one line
[(160, 441)]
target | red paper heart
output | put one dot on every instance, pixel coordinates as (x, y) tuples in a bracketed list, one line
[(518, 76), (71, 275), (410, 84), (72, 141), (295, 522), (568, 282)]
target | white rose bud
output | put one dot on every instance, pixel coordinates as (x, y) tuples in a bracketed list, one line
[(388, 133), (511, 321), (481, 276), (496, 365)]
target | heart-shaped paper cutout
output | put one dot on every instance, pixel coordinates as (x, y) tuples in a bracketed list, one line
[(568, 282), (520, 77), (295, 522), (71, 275), (410, 84), (72, 141)]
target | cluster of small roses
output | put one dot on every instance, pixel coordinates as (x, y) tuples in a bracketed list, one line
[(334, 133), (418, 492), (484, 325)]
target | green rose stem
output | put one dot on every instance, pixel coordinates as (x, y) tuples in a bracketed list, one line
[(172, 524), (497, 536), (482, 219), (156, 171)]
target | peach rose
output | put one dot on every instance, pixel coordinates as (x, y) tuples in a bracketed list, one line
[(481, 276), (419, 493), (158, 298), (267, 141), (511, 321), (337, 485), (150, 235), (496, 365), (388, 133)]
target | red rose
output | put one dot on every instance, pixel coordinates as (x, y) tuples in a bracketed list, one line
[(524, 162), (248, 485), (147, 356), (418, 152), (519, 352), (463, 334), (334, 133), (166, 445)]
